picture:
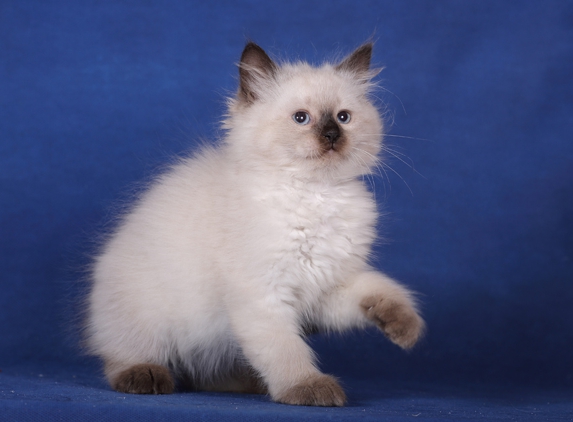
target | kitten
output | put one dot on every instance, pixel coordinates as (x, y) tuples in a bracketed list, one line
[(219, 268)]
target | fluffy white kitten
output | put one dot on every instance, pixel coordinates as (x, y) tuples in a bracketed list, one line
[(221, 267)]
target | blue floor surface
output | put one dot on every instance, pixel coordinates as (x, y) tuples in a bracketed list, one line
[(64, 395)]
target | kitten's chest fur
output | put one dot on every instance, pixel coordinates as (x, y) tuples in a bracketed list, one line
[(319, 234)]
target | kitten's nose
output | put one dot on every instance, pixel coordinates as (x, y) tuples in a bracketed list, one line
[(332, 135), (329, 133)]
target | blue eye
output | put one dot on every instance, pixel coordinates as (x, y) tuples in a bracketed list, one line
[(301, 117), (343, 117)]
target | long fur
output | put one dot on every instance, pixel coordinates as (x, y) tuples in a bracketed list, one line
[(231, 253)]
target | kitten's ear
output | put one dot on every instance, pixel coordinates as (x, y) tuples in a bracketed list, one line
[(359, 61), (255, 67)]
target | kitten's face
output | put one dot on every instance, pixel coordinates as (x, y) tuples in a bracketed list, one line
[(325, 119), (314, 120)]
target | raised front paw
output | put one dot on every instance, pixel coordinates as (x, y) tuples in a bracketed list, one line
[(398, 320), (318, 390)]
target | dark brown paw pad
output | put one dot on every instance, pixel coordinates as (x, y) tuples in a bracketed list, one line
[(400, 322), (144, 379), (319, 390)]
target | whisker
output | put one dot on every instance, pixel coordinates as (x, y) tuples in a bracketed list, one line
[(398, 174), (380, 170), (368, 173), (398, 98), (388, 135), (397, 154), (390, 168)]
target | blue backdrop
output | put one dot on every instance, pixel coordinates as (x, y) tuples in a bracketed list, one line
[(96, 96)]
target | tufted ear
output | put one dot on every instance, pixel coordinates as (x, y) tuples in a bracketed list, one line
[(255, 67), (359, 61)]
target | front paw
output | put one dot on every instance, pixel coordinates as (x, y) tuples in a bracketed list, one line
[(398, 320), (318, 390)]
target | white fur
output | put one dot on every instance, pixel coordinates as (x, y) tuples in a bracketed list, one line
[(230, 252)]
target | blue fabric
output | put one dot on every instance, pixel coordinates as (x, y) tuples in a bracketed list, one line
[(95, 96)]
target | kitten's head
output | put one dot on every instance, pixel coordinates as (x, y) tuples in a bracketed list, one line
[(315, 121)]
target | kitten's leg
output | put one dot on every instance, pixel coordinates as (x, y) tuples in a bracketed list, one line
[(140, 379), (242, 380), (373, 297), (249, 382), (270, 340)]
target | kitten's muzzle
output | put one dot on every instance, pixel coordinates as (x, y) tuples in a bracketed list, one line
[(330, 134)]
